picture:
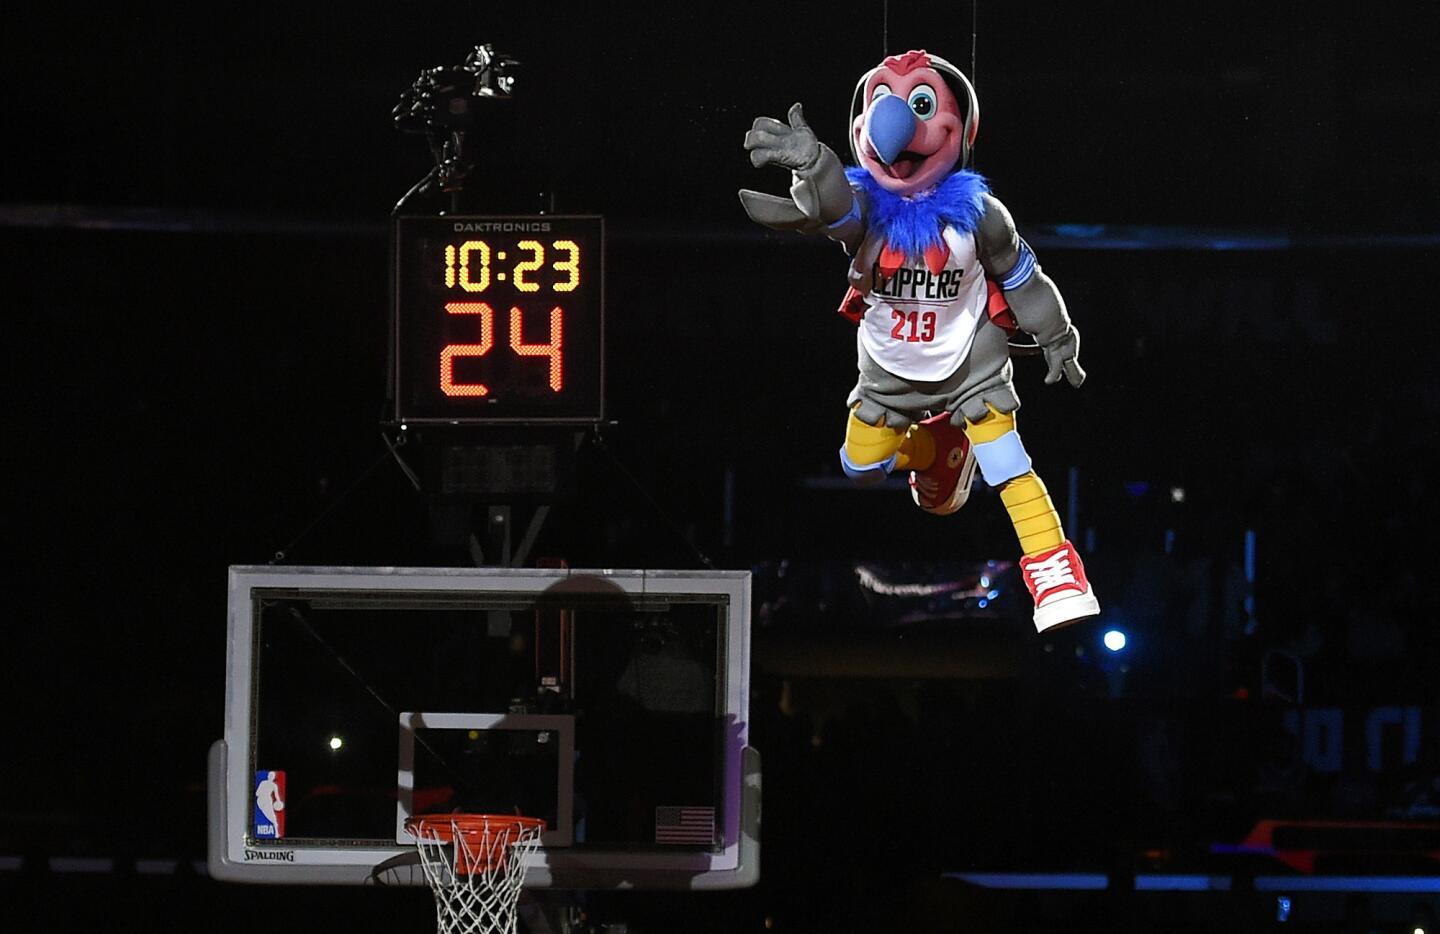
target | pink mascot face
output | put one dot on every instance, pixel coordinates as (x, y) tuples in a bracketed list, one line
[(910, 132)]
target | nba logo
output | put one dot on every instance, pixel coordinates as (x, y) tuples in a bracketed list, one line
[(269, 805)]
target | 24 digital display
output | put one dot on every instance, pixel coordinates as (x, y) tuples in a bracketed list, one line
[(498, 319)]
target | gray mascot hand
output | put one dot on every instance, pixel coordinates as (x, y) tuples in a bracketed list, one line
[(1062, 357), (773, 143)]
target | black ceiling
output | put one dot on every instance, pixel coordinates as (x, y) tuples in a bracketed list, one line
[(1230, 114)]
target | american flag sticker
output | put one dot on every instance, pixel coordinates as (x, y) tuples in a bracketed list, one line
[(685, 825)]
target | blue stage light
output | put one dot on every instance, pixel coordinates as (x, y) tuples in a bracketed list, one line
[(1114, 640)]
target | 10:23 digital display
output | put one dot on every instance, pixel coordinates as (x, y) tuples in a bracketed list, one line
[(499, 319)]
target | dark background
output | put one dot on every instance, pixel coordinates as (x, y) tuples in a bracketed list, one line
[(1240, 203)]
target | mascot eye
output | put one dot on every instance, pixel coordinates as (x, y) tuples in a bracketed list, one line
[(880, 91), (922, 101)]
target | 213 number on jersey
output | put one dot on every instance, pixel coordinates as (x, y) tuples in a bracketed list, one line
[(913, 327)]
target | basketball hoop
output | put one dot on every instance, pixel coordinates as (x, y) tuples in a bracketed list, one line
[(475, 864)]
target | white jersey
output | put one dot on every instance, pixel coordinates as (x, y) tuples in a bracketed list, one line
[(920, 324)]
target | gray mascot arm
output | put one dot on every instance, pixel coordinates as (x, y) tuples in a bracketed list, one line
[(821, 200), (1032, 296)]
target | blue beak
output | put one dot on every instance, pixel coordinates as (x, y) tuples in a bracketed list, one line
[(890, 125)]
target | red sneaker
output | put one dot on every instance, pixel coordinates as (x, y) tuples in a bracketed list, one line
[(1057, 581), (943, 487)]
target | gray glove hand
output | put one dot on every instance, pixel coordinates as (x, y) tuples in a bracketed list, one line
[(1062, 357), (773, 143)]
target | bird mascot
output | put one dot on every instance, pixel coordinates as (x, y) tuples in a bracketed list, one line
[(939, 281)]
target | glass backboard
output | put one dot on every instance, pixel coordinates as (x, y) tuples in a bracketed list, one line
[(612, 703)]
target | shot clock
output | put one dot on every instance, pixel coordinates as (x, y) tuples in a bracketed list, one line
[(498, 319)]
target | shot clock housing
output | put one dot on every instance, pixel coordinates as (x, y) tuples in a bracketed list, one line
[(498, 320)]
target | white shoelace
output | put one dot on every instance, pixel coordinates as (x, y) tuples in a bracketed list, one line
[(1052, 572)]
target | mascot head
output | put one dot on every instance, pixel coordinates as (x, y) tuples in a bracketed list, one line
[(913, 120)]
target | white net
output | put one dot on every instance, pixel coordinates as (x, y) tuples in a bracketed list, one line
[(475, 864)]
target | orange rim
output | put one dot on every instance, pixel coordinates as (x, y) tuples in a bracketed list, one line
[(442, 827), (492, 834)]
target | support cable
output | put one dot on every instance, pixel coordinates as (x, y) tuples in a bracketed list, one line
[(700, 556), (282, 554)]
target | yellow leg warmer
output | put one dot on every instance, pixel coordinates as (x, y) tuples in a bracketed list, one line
[(1037, 524), (871, 444), (1031, 510)]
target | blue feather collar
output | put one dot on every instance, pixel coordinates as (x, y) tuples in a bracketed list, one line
[(914, 223)]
